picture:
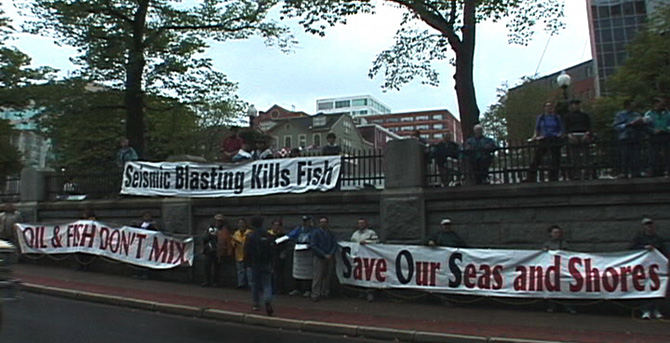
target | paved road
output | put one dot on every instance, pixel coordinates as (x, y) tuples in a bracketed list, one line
[(46, 319)]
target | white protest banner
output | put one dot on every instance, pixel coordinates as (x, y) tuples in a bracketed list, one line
[(188, 179), (505, 273), (140, 247)]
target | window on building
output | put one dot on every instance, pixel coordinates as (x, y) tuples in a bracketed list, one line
[(392, 120), (437, 135), (424, 136), (417, 118), (319, 121), (408, 128), (325, 105), (437, 117), (406, 119), (438, 126), (423, 127), (342, 104), (287, 141), (316, 139), (359, 102), (347, 127), (361, 112), (302, 140)]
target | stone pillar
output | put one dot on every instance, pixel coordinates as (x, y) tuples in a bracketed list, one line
[(176, 216), (402, 206), (33, 184)]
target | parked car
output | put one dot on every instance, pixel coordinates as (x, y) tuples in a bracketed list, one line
[(7, 284)]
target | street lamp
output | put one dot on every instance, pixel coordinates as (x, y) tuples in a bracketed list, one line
[(563, 81), (252, 113)]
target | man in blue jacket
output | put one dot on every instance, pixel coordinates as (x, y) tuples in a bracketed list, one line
[(324, 246)]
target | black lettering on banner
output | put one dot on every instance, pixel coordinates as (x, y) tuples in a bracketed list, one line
[(455, 271), (410, 267), (346, 251)]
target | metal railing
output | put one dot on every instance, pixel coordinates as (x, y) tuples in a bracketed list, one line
[(99, 185), (10, 189), (362, 169), (514, 163)]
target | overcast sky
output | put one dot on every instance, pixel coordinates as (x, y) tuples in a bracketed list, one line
[(337, 64)]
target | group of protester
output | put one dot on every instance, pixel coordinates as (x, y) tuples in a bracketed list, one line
[(645, 238), (643, 147), (261, 255), (235, 149)]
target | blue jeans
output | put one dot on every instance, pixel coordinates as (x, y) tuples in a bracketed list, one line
[(261, 285), (242, 274)]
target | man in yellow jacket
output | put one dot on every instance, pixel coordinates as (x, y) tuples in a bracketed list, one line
[(239, 240)]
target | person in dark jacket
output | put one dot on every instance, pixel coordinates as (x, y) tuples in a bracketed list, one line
[(578, 130), (648, 239), (260, 256), (209, 251), (331, 148), (446, 154), (478, 152), (324, 245), (446, 237)]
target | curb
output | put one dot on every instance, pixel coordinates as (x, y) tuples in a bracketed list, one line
[(337, 329)]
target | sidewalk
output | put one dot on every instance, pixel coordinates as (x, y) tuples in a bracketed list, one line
[(384, 319)]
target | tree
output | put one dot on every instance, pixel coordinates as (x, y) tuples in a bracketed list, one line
[(452, 27), (15, 72), (85, 123), (151, 47), (646, 72)]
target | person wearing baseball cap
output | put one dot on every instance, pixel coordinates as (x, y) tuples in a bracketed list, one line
[(648, 239), (446, 237)]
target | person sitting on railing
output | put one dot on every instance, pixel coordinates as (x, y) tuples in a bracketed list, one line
[(549, 135), (578, 130), (231, 145), (445, 153), (126, 153), (631, 128), (478, 152)]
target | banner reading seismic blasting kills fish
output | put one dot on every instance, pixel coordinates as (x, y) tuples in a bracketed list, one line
[(145, 248), (187, 179), (505, 273)]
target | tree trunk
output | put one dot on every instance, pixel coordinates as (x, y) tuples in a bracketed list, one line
[(134, 95), (465, 87)]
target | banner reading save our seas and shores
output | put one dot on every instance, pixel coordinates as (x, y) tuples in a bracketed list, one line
[(145, 248), (188, 179), (505, 273)]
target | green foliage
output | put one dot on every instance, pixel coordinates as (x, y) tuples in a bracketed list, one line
[(85, 123), (14, 70), (452, 26), (646, 73), (520, 106), (10, 158), (152, 47)]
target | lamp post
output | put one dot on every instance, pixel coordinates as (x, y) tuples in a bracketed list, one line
[(563, 81), (252, 113)]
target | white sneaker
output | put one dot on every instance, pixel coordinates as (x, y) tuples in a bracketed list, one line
[(646, 315), (307, 294), (657, 314)]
